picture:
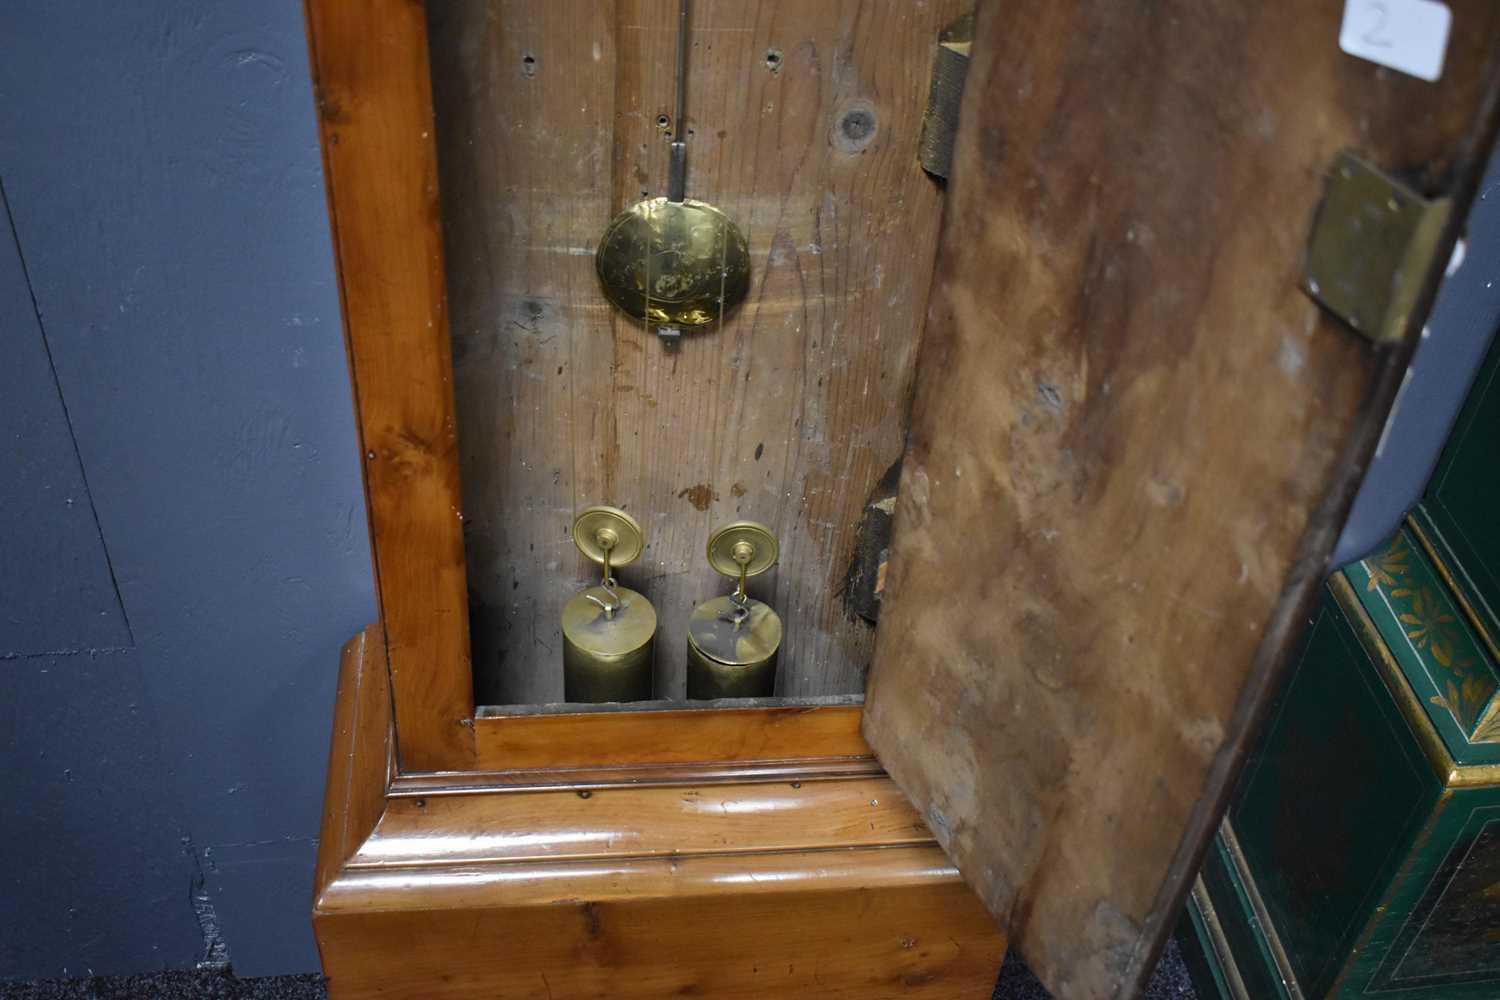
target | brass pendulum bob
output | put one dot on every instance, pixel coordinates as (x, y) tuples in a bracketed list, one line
[(607, 629), (673, 262), (733, 639)]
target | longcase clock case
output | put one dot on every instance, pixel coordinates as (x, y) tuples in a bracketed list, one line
[(1126, 437)]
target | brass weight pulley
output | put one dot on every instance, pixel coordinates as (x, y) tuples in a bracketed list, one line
[(608, 630), (675, 263), (733, 640)]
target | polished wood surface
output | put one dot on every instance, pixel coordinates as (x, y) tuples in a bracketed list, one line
[(1134, 439), (667, 737), (777, 882), (375, 112), (360, 762), (640, 775), (608, 823), (867, 924), (803, 125)]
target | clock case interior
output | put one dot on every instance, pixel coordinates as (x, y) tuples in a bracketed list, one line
[(791, 410)]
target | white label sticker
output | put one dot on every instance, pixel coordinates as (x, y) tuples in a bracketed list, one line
[(1406, 35)]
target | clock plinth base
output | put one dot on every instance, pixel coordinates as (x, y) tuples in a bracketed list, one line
[(734, 880)]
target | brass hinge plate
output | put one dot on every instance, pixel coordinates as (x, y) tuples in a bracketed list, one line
[(940, 122), (1372, 248)]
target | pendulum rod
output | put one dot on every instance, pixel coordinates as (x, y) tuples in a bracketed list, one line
[(677, 165)]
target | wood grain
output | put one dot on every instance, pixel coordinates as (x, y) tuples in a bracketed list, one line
[(877, 923), (359, 755), (1133, 439), (667, 737), (635, 776), (607, 823), (375, 112), (804, 883), (788, 413)]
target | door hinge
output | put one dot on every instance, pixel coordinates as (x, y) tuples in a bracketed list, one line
[(940, 122), (1372, 247)]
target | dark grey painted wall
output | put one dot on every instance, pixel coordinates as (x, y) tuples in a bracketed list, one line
[(1453, 346), (182, 536)]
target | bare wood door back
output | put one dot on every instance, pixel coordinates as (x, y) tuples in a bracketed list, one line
[(1133, 439)]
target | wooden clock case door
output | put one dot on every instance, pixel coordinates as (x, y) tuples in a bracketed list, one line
[(1135, 436), (1132, 442)]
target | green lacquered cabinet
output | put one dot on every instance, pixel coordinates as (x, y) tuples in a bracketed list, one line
[(1458, 518), (1360, 856)]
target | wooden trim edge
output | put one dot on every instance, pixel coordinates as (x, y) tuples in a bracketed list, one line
[(1263, 921), (375, 120), (360, 756), (645, 776), (417, 888), (1218, 941), (678, 736)]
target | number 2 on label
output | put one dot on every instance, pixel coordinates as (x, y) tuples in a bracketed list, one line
[(1380, 15), (1406, 35)]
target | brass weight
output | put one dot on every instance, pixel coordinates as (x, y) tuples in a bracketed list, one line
[(608, 630), (733, 640)]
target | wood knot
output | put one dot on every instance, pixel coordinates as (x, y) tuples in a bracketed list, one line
[(855, 127)]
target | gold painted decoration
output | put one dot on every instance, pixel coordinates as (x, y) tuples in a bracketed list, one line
[(1463, 682)]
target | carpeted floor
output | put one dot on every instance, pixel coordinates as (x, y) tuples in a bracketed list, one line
[(216, 985), (1169, 981), (1016, 983)]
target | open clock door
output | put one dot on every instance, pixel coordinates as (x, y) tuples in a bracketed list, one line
[(1135, 434)]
